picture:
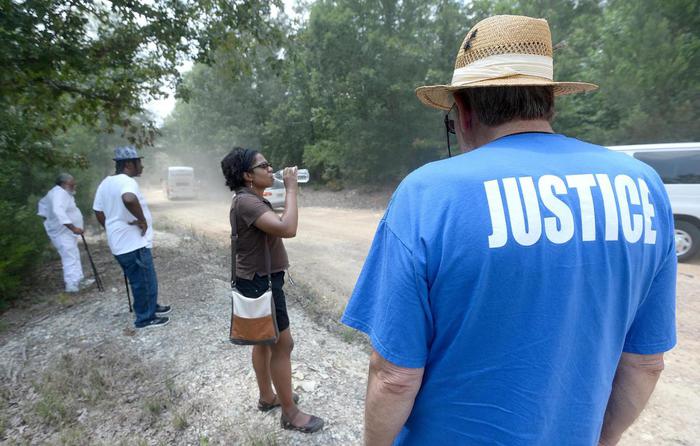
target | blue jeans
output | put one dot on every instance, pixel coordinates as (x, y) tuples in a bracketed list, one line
[(139, 269)]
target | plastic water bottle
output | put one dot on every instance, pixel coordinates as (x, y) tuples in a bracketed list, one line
[(302, 175)]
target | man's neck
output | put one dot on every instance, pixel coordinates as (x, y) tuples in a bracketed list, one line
[(487, 134)]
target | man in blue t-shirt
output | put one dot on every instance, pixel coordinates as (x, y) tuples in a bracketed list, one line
[(522, 293)]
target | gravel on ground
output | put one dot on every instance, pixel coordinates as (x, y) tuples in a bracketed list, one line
[(179, 384)]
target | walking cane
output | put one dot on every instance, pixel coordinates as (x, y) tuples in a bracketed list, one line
[(128, 296), (98, 281)]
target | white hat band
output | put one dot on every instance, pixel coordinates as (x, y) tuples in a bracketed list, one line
[(504, 65)]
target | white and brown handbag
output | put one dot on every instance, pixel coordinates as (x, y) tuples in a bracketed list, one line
[(253, 320)]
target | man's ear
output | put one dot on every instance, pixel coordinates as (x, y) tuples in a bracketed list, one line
[(465, 115)]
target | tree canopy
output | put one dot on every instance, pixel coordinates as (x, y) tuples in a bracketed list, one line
[(341, 98), (74, 69)]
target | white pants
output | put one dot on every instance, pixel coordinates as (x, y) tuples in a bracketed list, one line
[(67, 246)]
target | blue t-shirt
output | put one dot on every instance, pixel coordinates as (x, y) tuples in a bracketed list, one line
[(516, 275)]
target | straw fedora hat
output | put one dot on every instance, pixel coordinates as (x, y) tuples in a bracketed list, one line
[(503, 50)]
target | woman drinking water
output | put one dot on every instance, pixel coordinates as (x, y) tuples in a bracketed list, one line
[(248, 173)]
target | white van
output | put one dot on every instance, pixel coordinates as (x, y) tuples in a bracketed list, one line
[(678, 165), (179, 182)]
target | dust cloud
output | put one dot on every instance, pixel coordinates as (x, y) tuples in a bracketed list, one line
[(209, 180)]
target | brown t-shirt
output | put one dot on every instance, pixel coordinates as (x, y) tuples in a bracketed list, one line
[(250, 255)]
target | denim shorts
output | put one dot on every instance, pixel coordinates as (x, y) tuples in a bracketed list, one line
[(258, 285)]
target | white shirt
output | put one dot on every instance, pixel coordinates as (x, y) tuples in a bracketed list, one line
[(121, 236), (59, 209)]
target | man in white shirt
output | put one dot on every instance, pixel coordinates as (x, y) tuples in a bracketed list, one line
[(121, 209), (64, 223)]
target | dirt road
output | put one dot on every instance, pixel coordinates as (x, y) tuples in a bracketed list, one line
[(328, 253)]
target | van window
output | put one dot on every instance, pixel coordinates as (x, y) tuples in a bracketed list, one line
[(674, 167)]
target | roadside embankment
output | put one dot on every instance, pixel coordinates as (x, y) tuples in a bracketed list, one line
[(76, 372)]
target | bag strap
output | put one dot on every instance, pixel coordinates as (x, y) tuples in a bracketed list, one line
[(234, 240), (234, 248), (268, 263)]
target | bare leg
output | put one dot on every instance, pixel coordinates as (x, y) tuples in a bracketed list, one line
[(261, 364), (281, 371)]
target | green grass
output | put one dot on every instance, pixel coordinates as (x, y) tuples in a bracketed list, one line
[(71, 379), (163, 400), (180, 421), (4, 405), (4, 325), (66, 299), (174, 392), (96, 381), (55, 409), (349, 335), (155, 406), (3, 422)]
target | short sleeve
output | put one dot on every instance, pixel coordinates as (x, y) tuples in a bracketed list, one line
[(250, 208), (59, 205), (97, 204), (128, 185), (654, 327), (390, 302), (43, 207)]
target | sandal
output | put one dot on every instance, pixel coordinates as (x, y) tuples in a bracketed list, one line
[(264, 406), (315, 424)]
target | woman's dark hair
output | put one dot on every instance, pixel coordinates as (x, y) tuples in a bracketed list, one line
[(238, 161)]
